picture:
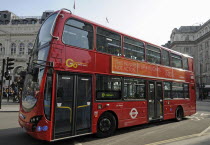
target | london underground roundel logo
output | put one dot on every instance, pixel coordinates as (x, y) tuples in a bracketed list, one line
[(133, 113)]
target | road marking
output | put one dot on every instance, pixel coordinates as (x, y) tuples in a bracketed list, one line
[(173, 139), (203, 114), (181, 138), (77, 143), (197, 118), (203, 132)]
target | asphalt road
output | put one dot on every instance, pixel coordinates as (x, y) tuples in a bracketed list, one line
[(192, 130)]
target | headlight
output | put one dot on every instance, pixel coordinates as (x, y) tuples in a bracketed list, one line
[(35, 119), (29, 102)]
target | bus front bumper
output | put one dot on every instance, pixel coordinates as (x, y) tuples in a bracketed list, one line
[(31, 130)]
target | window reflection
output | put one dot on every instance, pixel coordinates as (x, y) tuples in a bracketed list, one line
[(108, 88), (134, 88), (78, 34), (176, 61), (108, 42), (133, 49), (153, 54)]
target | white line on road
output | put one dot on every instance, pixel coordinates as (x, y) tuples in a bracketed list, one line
[(77, 143), (203, 132), (173, 140), (180, 138), (197, 118), (190, 116), (202, 114)]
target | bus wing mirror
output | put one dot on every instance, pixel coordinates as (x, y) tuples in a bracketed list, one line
[(43, 63)]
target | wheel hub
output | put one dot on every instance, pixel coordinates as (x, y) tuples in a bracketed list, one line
[(105, 124)]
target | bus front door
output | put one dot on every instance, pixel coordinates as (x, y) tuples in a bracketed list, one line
[(155, 101), (73, 105)]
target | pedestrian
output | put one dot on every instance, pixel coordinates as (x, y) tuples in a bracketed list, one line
[(205, 96), (4, 93), (201, 96), (7, 93)]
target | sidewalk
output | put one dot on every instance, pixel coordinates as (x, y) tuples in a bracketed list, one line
[(9, 106), (196, 140), (204, 100)]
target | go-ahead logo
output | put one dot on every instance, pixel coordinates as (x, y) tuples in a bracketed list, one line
[(133, 113), (74, 64)]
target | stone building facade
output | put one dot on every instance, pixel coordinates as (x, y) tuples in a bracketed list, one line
[(17, 36), (195, 41)]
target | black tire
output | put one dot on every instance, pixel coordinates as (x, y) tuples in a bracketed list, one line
[(106, 125), (179, 114)]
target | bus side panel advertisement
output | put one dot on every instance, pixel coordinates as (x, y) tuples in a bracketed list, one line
[(129, 67)]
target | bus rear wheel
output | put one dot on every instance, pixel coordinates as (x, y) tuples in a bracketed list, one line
[(179, 114), (106, 125)]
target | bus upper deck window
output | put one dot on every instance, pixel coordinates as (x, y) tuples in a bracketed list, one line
[(78, 33)]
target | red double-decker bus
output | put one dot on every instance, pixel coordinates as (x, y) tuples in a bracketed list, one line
[(85, 78)]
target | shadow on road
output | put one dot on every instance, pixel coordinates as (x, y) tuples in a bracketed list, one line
[(16, 136), (125, 130)]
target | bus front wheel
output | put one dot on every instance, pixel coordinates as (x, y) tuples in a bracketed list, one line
[(179, 114), (106, 125)]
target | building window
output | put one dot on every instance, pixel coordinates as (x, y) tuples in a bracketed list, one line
[(5, 16), (176, 61), (207, 54), (133, 49), (78, 33), (187, 38), (208, 80), (16, 22), (21, 49), (153, 54), (25, 21), (187, 50), (206, 44), (33, 22), (2, 49), (165, 57), (205, 69), (201, 47), (108, 87), (6, 22), (108, 42), (134, 88), (47, 14), (208, 67), (30, 48), (13, 49), (206, 30), (201, 57)]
